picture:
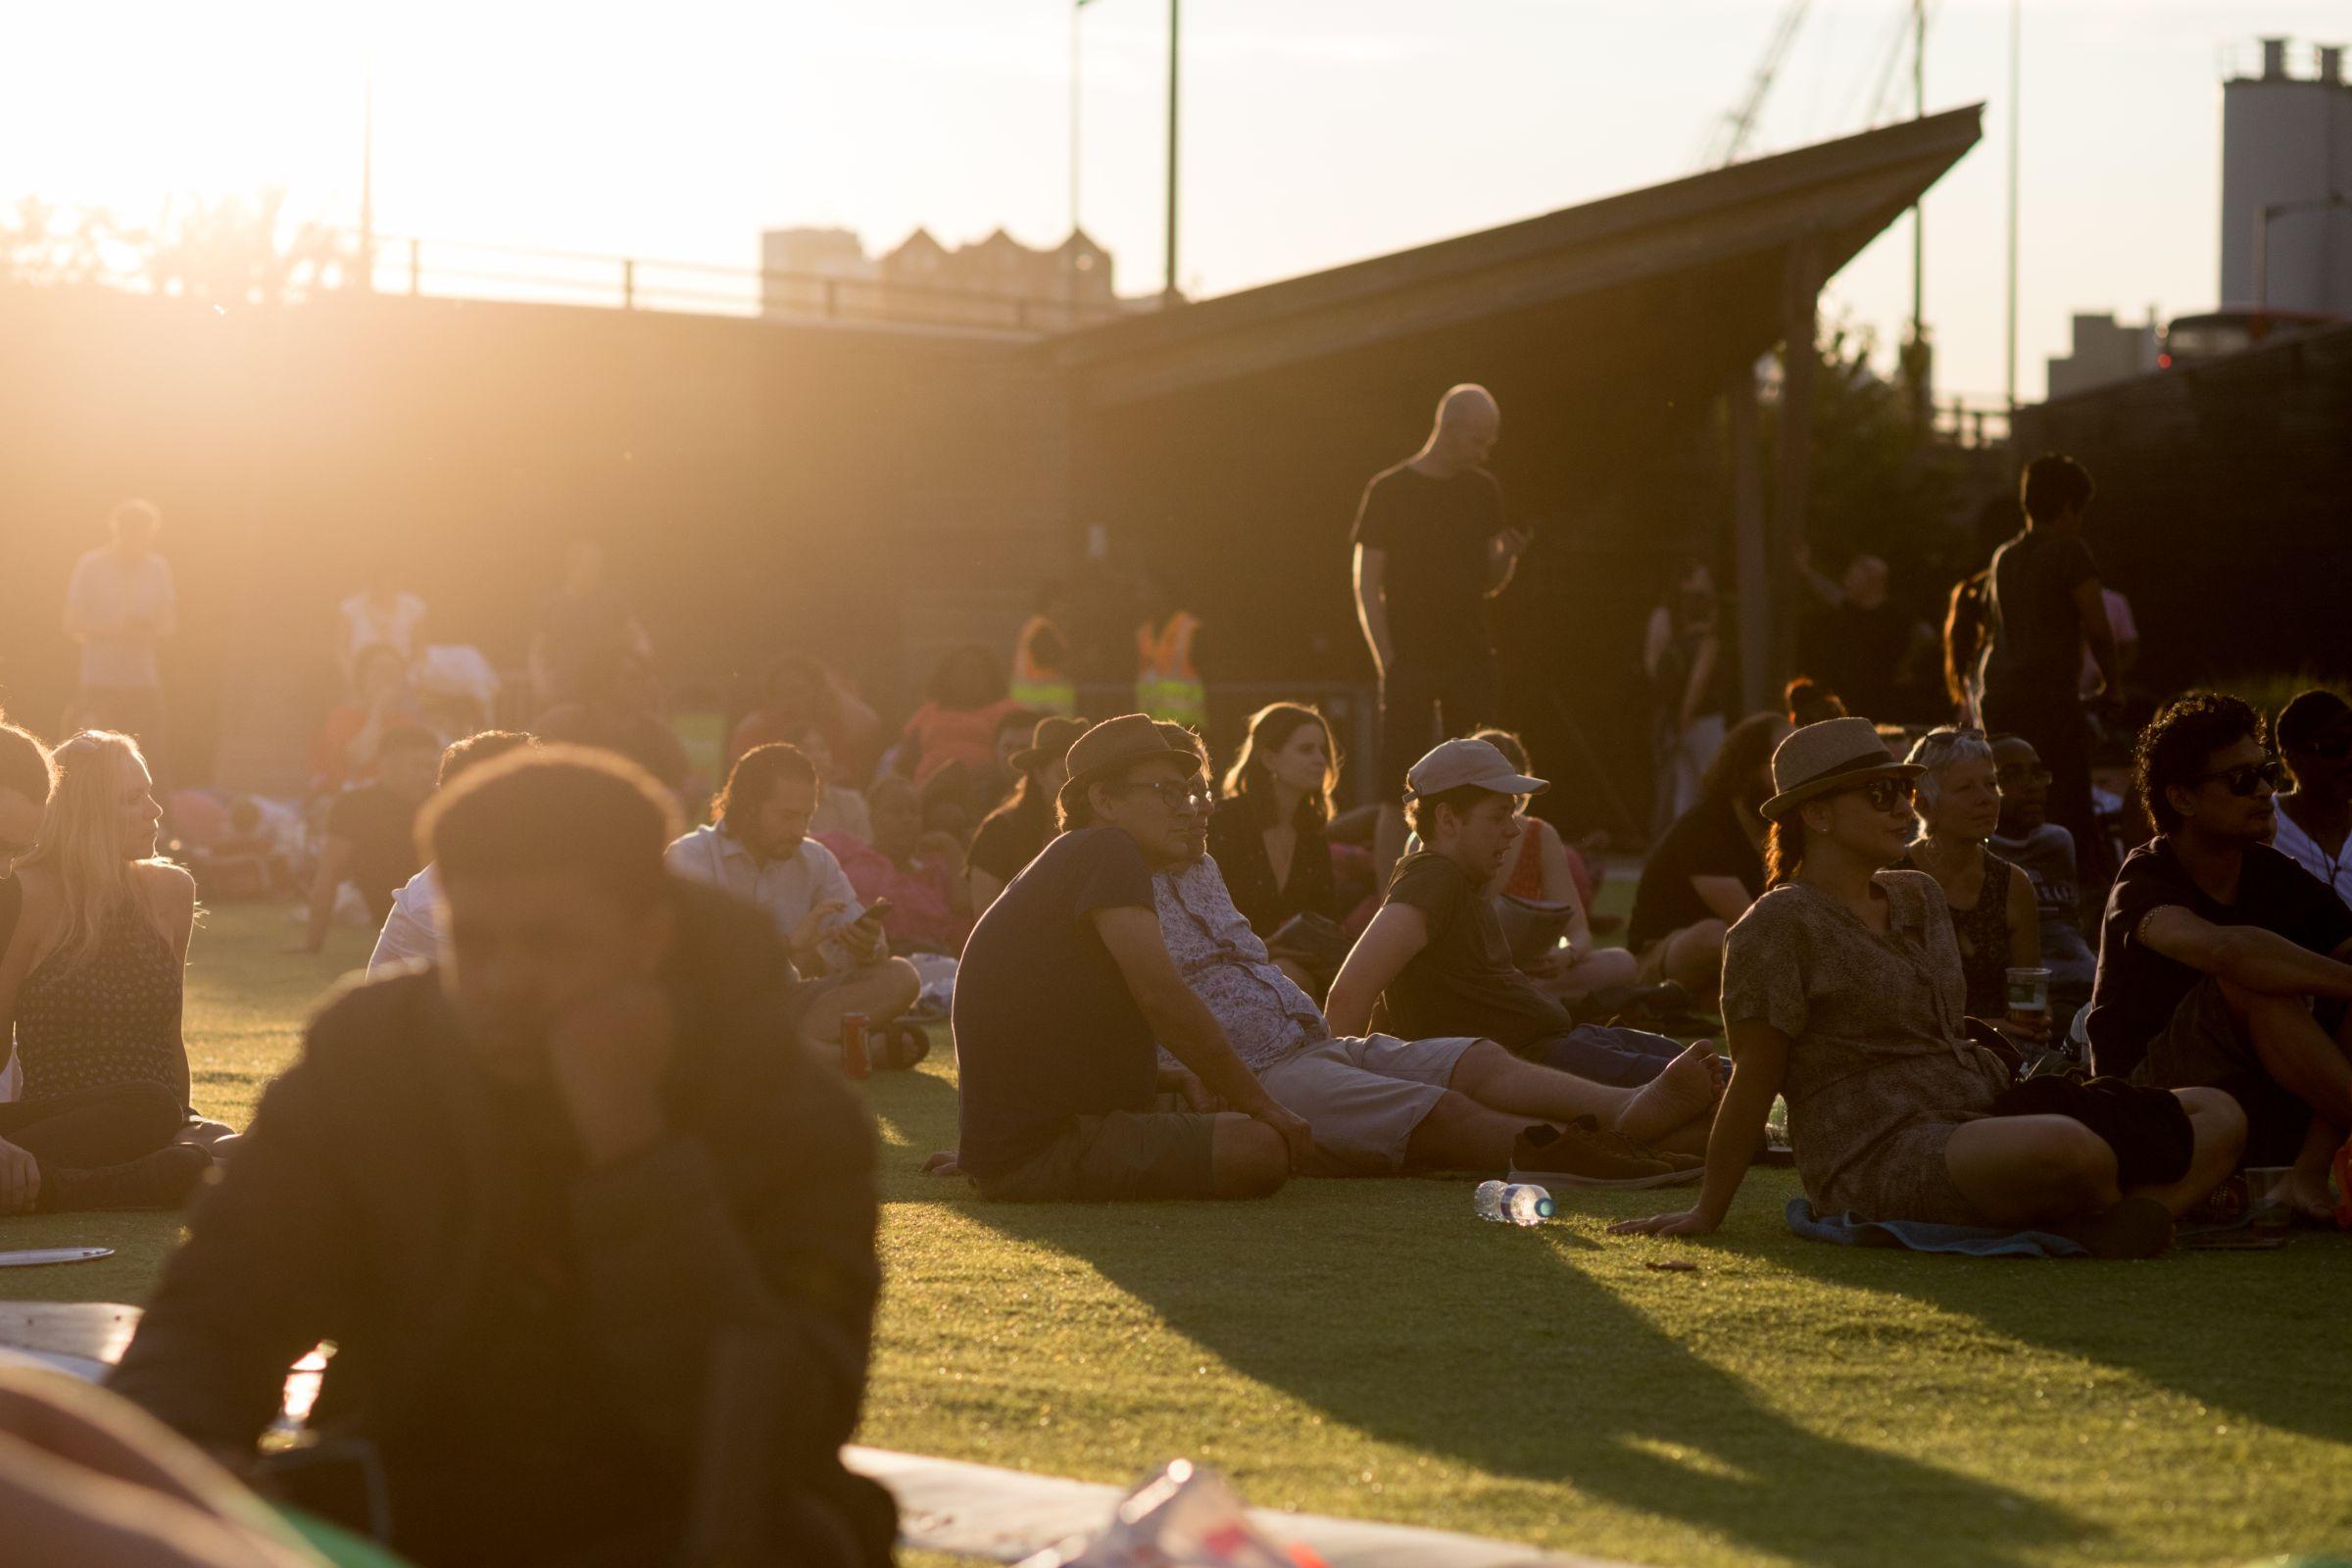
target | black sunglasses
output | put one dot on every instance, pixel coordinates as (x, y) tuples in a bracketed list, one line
[(2242, 778), (1883, 794)]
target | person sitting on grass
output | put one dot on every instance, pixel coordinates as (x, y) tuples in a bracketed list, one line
[(1957, 799), (1542, 870), (1380, 1104), (760, 850), (2315, 817), (1437, 957), (371, 833), (1066, 985), (1699, 879), (915, 873), (1269, 837), (1842, 989), (2046, 853), (411, 929), (1012, 836), (619, 710), (2223, 962), (91, 981), (597, 1257)]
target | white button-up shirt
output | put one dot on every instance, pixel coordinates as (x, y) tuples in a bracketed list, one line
[(413, 930), (787, 888)]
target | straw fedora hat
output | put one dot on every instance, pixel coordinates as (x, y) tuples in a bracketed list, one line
[(1833, 754)]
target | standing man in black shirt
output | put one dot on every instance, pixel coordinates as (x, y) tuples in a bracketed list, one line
[(2223, 962), (2042, 605), (1430, 550)]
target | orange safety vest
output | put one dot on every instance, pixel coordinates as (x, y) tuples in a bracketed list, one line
[(1036, 685), (1167, 685)]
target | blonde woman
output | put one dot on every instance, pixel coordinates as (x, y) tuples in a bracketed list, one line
[(91, 982)]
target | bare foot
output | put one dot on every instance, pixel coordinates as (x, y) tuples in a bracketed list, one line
[(1685, 1092), (943, 1163), (2306, 1195)]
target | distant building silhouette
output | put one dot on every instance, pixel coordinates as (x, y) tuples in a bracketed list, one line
[(997, 282), (2106, 351)]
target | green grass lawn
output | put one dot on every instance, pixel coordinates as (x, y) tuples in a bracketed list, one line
[(1368, 1348)]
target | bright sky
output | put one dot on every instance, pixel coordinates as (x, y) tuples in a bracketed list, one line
[(1316, 131)]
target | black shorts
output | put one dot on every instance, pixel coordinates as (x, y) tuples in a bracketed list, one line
[(1421, 705)]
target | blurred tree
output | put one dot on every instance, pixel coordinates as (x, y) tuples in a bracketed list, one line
[(233, 250)]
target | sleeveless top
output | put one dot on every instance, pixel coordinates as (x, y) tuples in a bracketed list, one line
[(113, 1021), (1984, 935)]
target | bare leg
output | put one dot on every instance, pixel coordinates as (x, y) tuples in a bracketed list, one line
[(1460, 1134), (883, 992), (1693, 959), (2307, 1190), (1246, 1158), (1681, 1096), (2297, 1052), (2220, 1126), (2026, 1170)]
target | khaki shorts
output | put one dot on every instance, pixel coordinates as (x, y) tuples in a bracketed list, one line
[(1125, 1155), (1363, 1098)]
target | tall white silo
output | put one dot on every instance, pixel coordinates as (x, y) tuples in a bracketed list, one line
[(2286, 146)]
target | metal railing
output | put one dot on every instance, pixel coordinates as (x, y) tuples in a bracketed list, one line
[(1971, 421), (420, 266)]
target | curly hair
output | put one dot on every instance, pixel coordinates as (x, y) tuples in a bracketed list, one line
[(2176, 746)]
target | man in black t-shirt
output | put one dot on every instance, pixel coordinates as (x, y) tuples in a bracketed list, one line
[(2043, 604), (1066, 984), (1436, 955), (371, 832), (1430, 550), (2222, 962)]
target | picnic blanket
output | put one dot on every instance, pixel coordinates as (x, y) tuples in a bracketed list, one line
[(1845, 1230)]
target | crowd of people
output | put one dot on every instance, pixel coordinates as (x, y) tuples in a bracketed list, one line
[(571, 1180)]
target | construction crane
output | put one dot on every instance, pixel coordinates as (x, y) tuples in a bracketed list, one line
[(1730, 137)]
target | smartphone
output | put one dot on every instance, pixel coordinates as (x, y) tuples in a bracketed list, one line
[(876, 912)]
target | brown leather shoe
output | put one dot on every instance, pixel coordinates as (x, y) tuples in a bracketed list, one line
[(1585, 1153)]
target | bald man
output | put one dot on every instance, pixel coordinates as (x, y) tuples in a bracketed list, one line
[(1430, 548)]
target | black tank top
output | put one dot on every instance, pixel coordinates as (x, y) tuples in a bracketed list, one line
[(113, 1021)]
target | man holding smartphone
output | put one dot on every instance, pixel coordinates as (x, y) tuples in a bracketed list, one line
[(760, 850)]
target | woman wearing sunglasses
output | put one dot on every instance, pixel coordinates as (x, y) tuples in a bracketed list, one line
[(1843, 987)]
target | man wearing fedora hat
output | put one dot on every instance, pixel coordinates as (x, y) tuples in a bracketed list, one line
[(1066, 990), (1010, 836), (1437, 954)]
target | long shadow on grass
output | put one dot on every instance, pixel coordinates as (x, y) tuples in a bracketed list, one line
[(2240, 1331), (1384, 1306)]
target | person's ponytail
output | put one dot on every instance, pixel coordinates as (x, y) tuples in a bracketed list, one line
[(1783, 850)]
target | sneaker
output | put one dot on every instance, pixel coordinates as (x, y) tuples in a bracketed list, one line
[(161, 1180), (1585, 1153)]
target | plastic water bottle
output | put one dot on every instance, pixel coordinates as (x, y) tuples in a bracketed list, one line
[(1511, 1203)]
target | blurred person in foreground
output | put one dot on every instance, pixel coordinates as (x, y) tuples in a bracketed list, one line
[(761, 851), (1429, 548), (598, 1255), (92, 979), (1843, 987), (412, 927), (2315, 817), (2222, 962), (370, 839), (1067, 990), (121, 604)]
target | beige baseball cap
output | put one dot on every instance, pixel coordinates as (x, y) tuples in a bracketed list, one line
[(1458, 765)]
